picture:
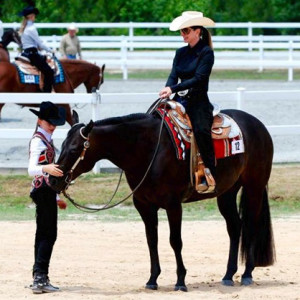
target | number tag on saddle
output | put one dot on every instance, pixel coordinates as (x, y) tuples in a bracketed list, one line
[(237, 146), (29, 79)]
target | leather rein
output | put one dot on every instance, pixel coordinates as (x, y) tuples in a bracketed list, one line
[(86, 146)]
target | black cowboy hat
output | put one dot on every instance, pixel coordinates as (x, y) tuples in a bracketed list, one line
[(51, 113), (28, 10)]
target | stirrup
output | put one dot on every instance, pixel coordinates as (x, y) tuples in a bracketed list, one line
[(208, 184)]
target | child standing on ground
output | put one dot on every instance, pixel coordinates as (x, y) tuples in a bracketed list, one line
[(41, 164)]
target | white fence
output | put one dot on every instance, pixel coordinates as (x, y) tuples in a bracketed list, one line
[(248, 26), (255, 52), (130, 100)]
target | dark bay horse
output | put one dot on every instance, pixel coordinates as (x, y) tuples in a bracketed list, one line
[(8, 37), (76, 72), (130, 142)]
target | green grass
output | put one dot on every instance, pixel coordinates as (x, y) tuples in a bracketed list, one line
[(15, 203), (216, 74)]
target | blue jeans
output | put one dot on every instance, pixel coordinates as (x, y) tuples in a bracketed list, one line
[(71, 56)]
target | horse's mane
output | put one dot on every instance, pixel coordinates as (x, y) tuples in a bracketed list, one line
[(76, 61), (122, 119), (79, 62), (74, 128), (112, 121)]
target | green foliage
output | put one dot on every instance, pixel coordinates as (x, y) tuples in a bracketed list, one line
[(155, 11)]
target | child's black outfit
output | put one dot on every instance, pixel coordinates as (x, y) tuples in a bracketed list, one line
[(42, 152)]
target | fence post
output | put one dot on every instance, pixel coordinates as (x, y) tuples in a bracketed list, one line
[(261, 53), (124, 58), (240, 97), (95, 102), (53, 41), (131, 34), (290, 70), (250, 34)]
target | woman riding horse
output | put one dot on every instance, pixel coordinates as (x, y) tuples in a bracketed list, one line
[(76, 72), (32, 44)]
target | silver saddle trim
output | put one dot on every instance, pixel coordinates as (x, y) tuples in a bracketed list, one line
[(226, 120)]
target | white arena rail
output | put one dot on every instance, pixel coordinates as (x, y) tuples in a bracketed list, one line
[(254, 50), (127, 102)]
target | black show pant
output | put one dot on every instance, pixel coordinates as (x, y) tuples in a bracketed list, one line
[(200, 110), (46, 228), (39, 61)]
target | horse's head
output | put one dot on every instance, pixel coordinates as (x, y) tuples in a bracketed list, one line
[(11, 35), (72, 158), (16, 38), (95, 79)]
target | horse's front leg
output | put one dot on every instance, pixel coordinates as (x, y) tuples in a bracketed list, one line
[(148, 213), (175, 219)]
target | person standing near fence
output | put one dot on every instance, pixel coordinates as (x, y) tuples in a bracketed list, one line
[(191, 69), (70, 44), (41, 164)]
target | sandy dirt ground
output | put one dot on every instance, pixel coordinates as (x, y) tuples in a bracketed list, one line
[(94, 260)]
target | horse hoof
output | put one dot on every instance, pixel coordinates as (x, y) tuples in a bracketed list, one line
[(227, 282), (182, 288), (246, 281), (151, 287)]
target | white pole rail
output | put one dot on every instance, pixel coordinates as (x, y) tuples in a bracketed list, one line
[(58, 98), (239, 97), (249, 26), (96, 100), (260, 47)]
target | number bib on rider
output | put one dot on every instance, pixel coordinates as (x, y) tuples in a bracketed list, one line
[(237, 146)]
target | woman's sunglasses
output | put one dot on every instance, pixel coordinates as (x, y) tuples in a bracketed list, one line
[(186, 30)]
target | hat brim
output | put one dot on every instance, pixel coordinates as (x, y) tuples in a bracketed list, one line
[(183, 22), (73, 29), (61, 120), (25, 12)]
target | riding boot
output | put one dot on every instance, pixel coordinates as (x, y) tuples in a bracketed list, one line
[(200, 110), (41, 284), (48, 81)]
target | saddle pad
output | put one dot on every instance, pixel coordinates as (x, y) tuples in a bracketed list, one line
[(179, 143), (35, 79), (223, 147)]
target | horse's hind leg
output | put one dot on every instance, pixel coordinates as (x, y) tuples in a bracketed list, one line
[(148, 213), (228, 208), (257, 236), (175, 220)]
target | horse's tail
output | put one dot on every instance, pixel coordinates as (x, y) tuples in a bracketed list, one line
[(257, 234)]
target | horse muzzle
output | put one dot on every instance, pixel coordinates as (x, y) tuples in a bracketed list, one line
[(58, 184)]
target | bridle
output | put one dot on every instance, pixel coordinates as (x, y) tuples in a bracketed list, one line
[(86, 145)]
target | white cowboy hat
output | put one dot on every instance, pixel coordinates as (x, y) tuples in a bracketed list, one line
[(189, 19), (73, 27)]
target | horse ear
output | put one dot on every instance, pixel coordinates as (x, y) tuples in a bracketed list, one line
[(75, 117), (87, 129)]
